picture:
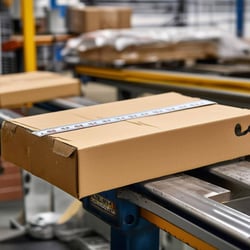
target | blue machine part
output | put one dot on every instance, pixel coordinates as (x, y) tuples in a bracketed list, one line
[(58, 47), (240, 4), (128, 230), (61, 8)]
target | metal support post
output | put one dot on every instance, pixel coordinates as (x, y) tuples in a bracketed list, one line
[(240, 4), (180, 18), (29, 35)]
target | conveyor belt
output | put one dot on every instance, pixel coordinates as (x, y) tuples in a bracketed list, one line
[(173, 204), (6, 114), (166, 77), (232, 91), (65, 103)]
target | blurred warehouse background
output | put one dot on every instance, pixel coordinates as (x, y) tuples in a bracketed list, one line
[(52, 17), (116, 50)]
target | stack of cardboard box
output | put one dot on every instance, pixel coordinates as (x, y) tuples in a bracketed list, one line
[(192, 50)]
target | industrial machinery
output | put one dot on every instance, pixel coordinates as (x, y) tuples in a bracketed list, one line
[(201, 214), (207, 208), (132, 82)]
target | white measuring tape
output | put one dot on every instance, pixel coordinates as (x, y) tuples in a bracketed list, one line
[(114, 119)]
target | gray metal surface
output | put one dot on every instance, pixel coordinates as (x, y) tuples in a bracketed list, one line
[(81, 100), (190, 184), (190, 198), (239, 172), (235, 223), (6, 114), (241, 204), (72, 102), (9, 211), (90, 243), (41, 226), (175, 219)]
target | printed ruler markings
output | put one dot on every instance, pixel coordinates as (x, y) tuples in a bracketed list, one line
[(114, 119)]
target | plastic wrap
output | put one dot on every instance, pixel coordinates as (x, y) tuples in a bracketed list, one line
[(130, 41)]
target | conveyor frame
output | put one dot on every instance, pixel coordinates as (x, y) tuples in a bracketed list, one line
[(199, 221), (133, 82)]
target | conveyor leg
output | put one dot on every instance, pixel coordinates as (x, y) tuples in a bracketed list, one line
[(240, 5), (145, 236), (129, 231)]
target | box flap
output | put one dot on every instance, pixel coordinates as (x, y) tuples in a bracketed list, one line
[(47, 158), (63, 149)]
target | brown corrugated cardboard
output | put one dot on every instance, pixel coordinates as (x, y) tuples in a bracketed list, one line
[(152, 53), (83, 19), (87, 19), (124, 17), (22, 88), (115, 17), (87, 161), (109, 18)]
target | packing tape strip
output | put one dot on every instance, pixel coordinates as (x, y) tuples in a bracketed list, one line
[(114, 119)]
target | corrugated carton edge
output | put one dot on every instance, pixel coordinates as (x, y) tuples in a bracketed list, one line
[(219, 158), (12, 132), (63, 149)]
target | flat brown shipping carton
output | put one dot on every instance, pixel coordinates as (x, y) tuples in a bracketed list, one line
[(152, 53), (125, 14), (20, 89), (115, 17), (109, 18), (91, 160), (87, 19), (83, 19)]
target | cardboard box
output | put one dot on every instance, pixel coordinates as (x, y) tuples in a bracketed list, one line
[(87, 19), (125, 14), (109, 18), (152, 53), (20, 89), (88, 161), (115, 17), (83, 19)]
